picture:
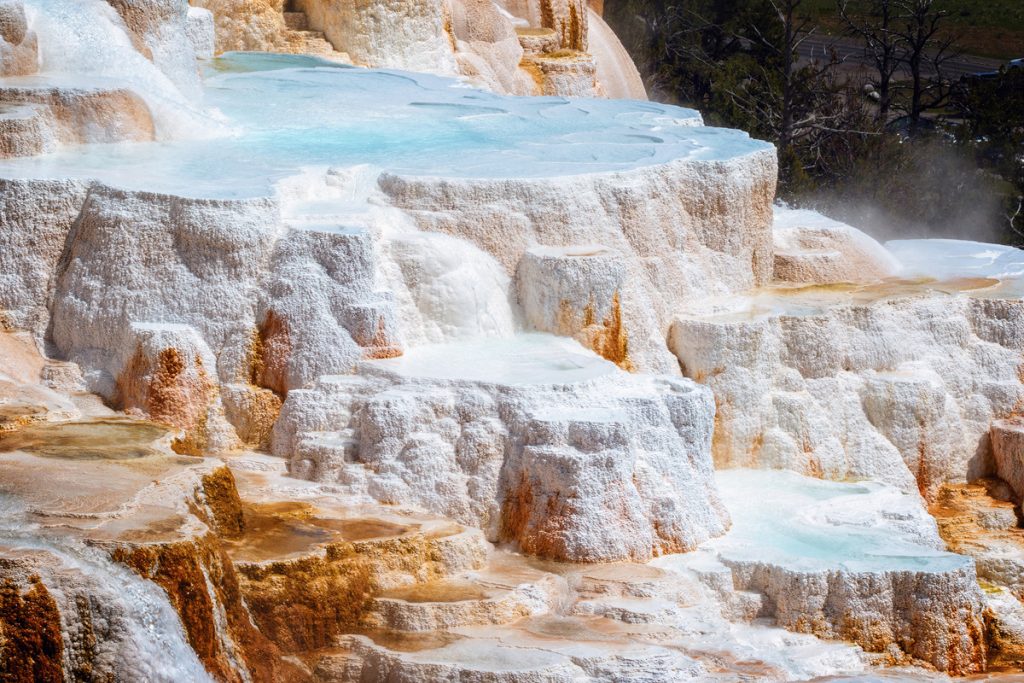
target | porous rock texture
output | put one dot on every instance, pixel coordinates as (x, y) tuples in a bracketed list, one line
[(19, 52), (564, 73), (242, 25), (814, 249), (40, 118), (933, 617), (248, 312), (37, 217), (168, 379), (240, 320), (287, 300), (979, 520), (568, 18), (1008, 451), (515, 658), (896, 389), (119, 496), (575, 292), (684, 229), (592, 471), (876, 575), (487, 49), (307, 602), (397, 34), (160, 248)]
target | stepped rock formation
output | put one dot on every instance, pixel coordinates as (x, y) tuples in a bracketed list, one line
[(326, 373), (859, 383), (582, 465), (18, 45)]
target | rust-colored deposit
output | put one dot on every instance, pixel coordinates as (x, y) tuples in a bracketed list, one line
[(270, 352), (536, 73), (607, 338), (31, 646), (572, 31), (305, 603), (380, 345), (326, 588), (170, 391), (541, 536), (253, 411), (182, 570), (222, 500)]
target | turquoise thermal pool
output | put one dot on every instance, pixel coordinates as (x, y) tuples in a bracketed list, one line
[(810, 524), (272, 115)]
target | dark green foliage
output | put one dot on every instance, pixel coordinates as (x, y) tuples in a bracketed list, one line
[(954, 168), (993, 115)]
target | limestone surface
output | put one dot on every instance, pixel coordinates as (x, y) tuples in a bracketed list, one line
[(19, 51), (557, 450), (475, 39), (852, 562), (673, 244), (40, 117), (814, 249), (853, 382), (1008, 449)]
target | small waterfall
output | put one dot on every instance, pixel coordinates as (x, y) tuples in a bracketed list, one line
[(139, 635), (446, 289), (85, 42)]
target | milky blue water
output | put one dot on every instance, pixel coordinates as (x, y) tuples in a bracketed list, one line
[(809, 524), (947, 259), (271, 115)]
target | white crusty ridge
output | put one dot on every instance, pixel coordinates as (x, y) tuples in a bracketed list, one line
[(530, 439)]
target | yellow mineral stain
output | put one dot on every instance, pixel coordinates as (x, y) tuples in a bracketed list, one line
[(167, 393), (220, 494), (285, 529), (577, 35), (112, 438), (439, 591), (182, 569)]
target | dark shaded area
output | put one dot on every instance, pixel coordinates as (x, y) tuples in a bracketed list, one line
[(896, 141)]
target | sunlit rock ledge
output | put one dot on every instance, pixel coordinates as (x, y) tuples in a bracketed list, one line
[(533, 440), (858, 562), (896, 382), (493, 45)]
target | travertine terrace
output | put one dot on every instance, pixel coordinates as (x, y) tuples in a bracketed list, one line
[(406, 341)]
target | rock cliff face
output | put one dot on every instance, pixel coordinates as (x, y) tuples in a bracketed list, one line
[(371, 375)]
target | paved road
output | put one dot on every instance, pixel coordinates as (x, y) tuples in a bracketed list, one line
[(851, 52)]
